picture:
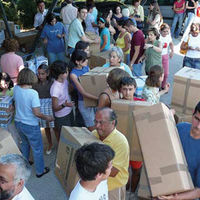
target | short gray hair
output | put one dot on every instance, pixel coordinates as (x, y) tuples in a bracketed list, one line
[(119, 53), (23, 169)]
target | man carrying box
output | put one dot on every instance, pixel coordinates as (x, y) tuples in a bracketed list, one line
[(190, 139), (93, 163), (105, 122), (127, 87)]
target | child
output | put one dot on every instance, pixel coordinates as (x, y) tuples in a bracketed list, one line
[(151, 91), (166, 41), (6, 85), (79, 67), (127, 88), (43, 88), (61, 101)]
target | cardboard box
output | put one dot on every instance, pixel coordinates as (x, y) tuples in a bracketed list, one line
[(186, 90), (7, 144), (144, 191), (98, 59), (94, 47), (94, 82), (126, 124), (71, 139), (162, 151), (140, 80), (184, 117)]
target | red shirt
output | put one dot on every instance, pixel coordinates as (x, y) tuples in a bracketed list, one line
[(179, 5)]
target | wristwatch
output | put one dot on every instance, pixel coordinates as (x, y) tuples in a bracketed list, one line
[(63, 105)]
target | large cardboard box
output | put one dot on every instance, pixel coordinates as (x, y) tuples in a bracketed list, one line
[(98, 59), (184, 117), (186, 90), (71, 139), (94, 47), (7, 144), (162, 151), (94, 82), (144, 191), (126, 124)]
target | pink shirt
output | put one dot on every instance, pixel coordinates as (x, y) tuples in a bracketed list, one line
[(179, 5), (60, 91), (11, 63)]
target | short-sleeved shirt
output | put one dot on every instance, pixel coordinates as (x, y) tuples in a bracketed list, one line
[(76, 32), (118, 142), (79, 192), (125, 66), (43, 89), (11, 64), (165, 41), (89, 20), (151, 94), (106, 32), (25, 100), (137, 40), (68, 13), (192, 42), (139, 11), (152, 57), (55, 44), (190, 4), (60, 91), (78, 73), (179, 5), (191, 148), (39, 18)]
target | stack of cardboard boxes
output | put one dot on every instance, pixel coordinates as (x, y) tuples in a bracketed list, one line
[(14, 28), (6, 115)]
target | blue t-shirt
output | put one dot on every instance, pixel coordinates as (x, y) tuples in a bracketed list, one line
[(25, 100), (55, 44), (78, 73), (106, 32), (191, 148)]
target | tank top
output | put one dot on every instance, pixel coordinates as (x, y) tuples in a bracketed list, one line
[(120, 42)]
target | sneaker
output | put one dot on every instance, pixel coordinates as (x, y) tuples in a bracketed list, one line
[(48, 152)]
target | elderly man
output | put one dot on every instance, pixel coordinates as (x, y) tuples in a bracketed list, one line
[(105, 122), (39, 17), (14, 172), (93, 163)]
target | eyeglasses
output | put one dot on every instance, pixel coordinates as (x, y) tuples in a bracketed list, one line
[(101, 122)]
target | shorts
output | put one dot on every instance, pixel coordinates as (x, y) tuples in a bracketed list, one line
[(135, 164), (67, 120), (88, 114), (46, 109)]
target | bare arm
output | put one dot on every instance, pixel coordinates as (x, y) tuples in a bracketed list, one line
[(37, 113), (171, 46), (137, 50), (79, 87), (114, 172), (57, 107), (103, 101), (127, 43), (105, 39)]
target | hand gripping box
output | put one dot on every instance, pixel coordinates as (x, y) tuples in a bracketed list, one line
[(186, 90), (126, 124), (94, 82), (7, 144), (164, 159), (71, 139)]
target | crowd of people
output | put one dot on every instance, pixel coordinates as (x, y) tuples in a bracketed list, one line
[(54, 96)]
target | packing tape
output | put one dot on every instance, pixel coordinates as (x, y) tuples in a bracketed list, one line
[(149, 117), (173, 168), (155, 180), (92, 78), (186, 94)]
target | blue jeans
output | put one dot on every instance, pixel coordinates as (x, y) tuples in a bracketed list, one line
[(137, 69), (31, 137), (178, 17), (189, 19), (191, 62), (56, 56)]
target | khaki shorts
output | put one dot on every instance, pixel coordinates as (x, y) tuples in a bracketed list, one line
[(117, 194)]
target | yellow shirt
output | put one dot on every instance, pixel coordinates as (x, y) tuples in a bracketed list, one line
[(120, 42), (118, 142)]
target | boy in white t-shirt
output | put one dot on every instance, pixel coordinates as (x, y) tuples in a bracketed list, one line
[(93, 163)]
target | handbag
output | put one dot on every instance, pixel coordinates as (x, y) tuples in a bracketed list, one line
[(184, 51)]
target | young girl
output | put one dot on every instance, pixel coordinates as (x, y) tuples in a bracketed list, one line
[(79, 62), (166, 41), (6, 85), (27, 105), (61, 101), (43, 88), (151, 91), (104, 34)]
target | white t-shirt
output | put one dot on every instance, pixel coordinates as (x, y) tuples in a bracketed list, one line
[(79, 193), (39, 18), (23, 195), (165, 41), (193, 42)]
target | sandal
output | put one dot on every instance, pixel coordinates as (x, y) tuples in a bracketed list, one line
[(46, 170)]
